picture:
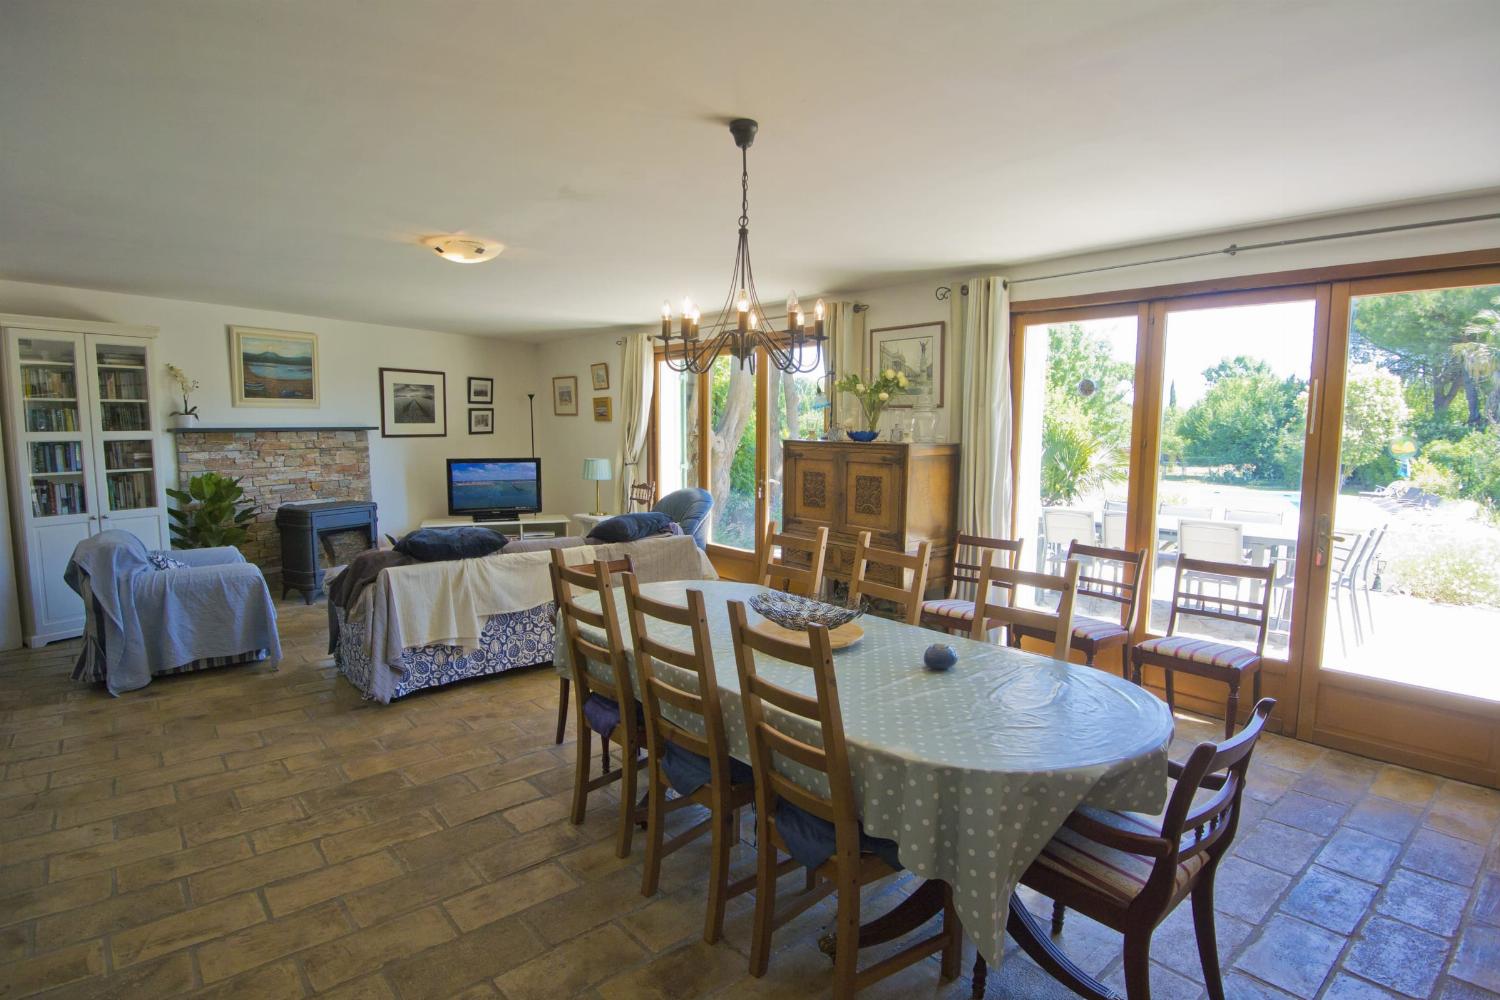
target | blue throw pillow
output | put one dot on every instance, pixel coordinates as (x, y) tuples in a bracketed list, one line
[(442, 544), (630, 527)]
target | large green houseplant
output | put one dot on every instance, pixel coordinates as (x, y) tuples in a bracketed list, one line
[(210, 512)]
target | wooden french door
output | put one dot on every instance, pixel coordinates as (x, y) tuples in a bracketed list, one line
[(1398, 655)]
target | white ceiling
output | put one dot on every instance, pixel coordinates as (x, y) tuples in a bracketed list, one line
[(290, 155)]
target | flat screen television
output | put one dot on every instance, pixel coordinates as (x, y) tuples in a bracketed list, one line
[(494, 489)]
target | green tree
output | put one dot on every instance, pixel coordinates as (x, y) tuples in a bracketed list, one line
[(1374, 413), (1444, 337), (1086, 420), (1249, 421)]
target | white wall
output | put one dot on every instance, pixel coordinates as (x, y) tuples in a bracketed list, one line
[(564, 442), (407, 476)]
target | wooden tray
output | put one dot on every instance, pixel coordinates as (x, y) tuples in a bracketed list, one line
[(845, 635)]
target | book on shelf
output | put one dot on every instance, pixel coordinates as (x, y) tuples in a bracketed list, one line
[(64, 456), (51, 499), (42, 419), (47, 383)]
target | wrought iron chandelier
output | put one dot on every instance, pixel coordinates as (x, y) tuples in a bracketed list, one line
[(742, 327)]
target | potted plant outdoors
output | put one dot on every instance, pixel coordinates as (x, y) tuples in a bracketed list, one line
[(210, 512), (873, 398), (188, 415)]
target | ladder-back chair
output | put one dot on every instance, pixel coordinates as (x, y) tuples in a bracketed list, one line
[(955, 612), (821, 831), (777, 573), (689, 756), (911, 570)]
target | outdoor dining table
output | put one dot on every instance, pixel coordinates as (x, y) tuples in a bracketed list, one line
[(970, 771)]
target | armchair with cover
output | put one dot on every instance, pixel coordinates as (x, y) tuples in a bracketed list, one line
[(689, 507), (153, 613)]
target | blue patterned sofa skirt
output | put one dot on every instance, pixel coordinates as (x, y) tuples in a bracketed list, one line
[(507, 642)]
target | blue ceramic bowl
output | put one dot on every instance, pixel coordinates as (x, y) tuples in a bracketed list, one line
[(863, 436), (939, 657)]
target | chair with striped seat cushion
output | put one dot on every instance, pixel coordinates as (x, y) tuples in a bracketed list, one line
[(1129, 871), (1218, 661), (1106, 575), (1214, 654), (955, 612)]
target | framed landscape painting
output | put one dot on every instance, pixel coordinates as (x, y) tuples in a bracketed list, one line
[(916, 351), (599, 373), (413, 403), (481, 390), (482, 420), (603, 408), (565, 395), (273, 367)]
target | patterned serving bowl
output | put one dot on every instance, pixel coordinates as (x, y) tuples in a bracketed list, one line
[(797, 613)]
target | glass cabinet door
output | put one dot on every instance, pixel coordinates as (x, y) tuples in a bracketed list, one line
[(127, 460), (54, 430)]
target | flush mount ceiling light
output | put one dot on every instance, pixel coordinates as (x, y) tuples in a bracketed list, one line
[(464, 249)]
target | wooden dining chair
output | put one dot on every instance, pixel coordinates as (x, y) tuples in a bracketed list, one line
[(606, 702), (1112, 575), (955, 612), (690, 756), (564, 684), (911, 570), (643, 493), (821, 832), (989, 615), (1220, 661), (1129, 872), (777, 573)]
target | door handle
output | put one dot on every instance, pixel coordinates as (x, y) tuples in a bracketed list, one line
[(1312, 407), (1323, 539)]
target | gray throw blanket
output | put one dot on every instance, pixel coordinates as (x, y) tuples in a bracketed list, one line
[(151, 620)]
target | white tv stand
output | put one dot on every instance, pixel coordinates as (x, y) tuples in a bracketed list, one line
[(525, 526)]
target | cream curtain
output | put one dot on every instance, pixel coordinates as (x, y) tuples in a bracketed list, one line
[(842, 354), (985, 488), (637, 381)]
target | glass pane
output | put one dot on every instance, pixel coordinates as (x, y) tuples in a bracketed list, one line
[(732, 453), (1415, 572), (49, 392), (677, 430), (798, 413), (1233, 433), (1075, 442), (129, 480), (124, 399)]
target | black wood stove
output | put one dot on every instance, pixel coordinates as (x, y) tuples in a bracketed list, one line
[(305, 526)]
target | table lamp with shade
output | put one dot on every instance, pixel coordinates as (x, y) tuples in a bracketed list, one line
[(597, 469)]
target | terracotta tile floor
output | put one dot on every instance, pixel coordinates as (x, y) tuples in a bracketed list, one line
[(243, 833)]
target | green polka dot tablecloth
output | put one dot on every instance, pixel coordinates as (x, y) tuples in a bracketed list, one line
[(970, 771)]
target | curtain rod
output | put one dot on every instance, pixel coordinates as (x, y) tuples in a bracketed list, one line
[(1235, 248)]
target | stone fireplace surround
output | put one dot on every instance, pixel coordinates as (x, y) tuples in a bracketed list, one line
[(276, 465)]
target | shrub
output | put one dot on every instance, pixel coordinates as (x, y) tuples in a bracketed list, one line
[(1427, 475), (1454, 567), (1472, 463)]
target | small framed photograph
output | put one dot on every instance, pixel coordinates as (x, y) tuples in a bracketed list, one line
[(413, 403), (565, 395), (481, 390), (273, 367), (603, 408), (915, 351), (482, 421), (600, 374)]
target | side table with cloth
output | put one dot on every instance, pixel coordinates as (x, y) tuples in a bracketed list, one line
[(198, 608), (971, 771)]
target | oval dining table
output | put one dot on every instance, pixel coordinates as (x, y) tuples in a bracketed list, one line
[(971, 771)]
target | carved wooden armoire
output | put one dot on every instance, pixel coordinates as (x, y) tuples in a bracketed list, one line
[(903, 494)]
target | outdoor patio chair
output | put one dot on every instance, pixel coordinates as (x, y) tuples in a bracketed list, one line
[(1211, 541), (1061, 527)]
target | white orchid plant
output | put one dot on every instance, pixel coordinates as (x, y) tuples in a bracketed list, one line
[(188, 386), (874, 395)]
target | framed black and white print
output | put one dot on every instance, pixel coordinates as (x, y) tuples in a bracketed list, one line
[(413, 403), (482, 420), (481, 390), (915, 351)]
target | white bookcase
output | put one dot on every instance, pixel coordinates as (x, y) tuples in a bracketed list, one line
[(82, 451)]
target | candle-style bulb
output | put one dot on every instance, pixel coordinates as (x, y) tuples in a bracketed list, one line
[(743, 305), (818, 310), (666, 309), (687, 307)]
